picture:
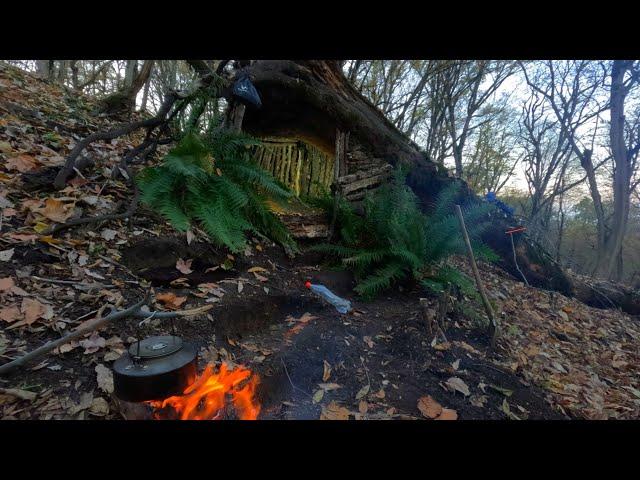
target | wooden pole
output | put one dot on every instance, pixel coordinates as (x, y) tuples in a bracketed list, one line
[(485, 301), (336, 186)]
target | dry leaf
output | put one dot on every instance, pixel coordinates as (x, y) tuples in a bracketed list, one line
[(317, 397), (5, 255), (429, 407), (190, 237), (363, 407), (240, 287), (327, 387), (111, 355), (327, 371), (108, 234), (86, 400), (104, 378), (99, 407), (21, 163), (184, 266), (362, 392), (32, 310), (456, 384), (368, 341), (6, 284), (333, 411), (448, 414), (171, 300), (92, 344), (442, 346), (10, 314), (56, 210), (257, 270)]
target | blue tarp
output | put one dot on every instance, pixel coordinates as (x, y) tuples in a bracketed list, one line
[(491, 198)]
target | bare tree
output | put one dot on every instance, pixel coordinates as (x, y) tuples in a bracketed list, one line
[(571, 89), (466, 95)]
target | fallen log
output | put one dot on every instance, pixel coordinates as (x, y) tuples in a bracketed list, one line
[(311, 99)]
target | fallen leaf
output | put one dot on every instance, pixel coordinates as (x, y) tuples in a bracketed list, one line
[(317, 397), (362, 392), (368, 341), (456, 364), (240, 287), (448, 414), (327, 371), (363, 406), (6, 284), (86, 399), (429, 407), (457, 384), (334, 411), (10, 314), (171, 300), (478, 400), (257, 270), (108, 234), (327, 387), (190, 237), (111, 355), (505, 391), (5, 147), (442, 346), (56, 210), (99, 407), (32, 310), (92, 344), (104, 378), (5, 255), (507, 410), (21, 163), (184, 266)]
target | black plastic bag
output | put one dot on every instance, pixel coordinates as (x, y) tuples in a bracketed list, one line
[(246, 93)]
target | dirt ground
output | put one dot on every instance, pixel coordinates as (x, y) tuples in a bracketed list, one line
[(376, 363)]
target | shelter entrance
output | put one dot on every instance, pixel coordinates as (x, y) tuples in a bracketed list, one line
[(305, 169)]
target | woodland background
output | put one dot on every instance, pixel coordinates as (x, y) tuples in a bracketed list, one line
[(538, 133)]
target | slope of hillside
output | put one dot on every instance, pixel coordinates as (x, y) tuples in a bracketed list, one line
[(557, 358)]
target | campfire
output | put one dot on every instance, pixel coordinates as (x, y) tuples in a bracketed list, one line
[(229, 393)]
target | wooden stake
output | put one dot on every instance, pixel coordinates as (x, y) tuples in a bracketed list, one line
[(479, 284)]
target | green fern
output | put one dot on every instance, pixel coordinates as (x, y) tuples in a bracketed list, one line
[(214, 182), (395, 240)]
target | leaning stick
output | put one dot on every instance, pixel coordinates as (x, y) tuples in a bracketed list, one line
[(134, 310), (479, 284)]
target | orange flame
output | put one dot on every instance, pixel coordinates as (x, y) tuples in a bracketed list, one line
[(206, 398)]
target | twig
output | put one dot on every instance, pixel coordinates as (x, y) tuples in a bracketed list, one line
[(485, 301), (47, 347), (80, 285), (515, 260), (134, 310), (296, 388)]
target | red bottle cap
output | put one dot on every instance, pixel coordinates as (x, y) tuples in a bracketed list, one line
[(307, 284)]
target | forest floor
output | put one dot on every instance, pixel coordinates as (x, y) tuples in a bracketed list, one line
[(556, 358)]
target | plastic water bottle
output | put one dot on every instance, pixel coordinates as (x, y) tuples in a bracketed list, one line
[(341, 305)]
